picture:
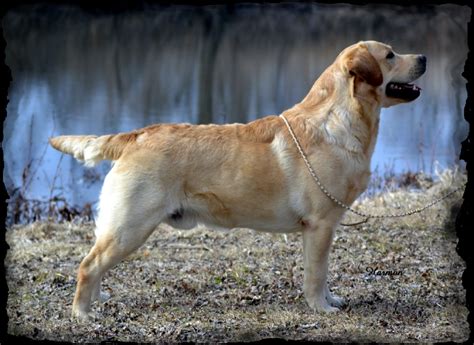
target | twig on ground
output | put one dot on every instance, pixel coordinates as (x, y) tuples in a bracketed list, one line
[(184, 246)]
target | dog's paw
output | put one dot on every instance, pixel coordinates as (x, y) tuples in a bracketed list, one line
[(335, 301), (325, 308), (103, 296), (321, 305), (83, 316)]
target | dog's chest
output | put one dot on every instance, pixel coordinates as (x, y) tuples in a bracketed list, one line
[(341, 175)]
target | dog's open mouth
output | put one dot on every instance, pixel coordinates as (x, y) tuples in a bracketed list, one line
[(405, 91)]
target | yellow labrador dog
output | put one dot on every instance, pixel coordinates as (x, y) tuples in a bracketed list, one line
[(248, 175)]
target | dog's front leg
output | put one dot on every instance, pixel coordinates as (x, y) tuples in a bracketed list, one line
[(316, 246)]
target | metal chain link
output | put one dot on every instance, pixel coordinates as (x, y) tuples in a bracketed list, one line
[(341, 204)]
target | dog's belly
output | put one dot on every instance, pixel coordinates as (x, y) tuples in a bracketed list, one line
[(218, 212), (277, 226)]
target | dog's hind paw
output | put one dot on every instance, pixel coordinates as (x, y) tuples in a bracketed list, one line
[(103, 296), (83, 316)]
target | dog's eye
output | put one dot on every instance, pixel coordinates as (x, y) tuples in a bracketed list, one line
[(390, 55)]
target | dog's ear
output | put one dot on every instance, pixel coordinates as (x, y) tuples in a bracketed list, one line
[(359, 62)]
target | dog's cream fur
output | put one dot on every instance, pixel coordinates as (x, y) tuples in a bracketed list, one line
[(246, 175)]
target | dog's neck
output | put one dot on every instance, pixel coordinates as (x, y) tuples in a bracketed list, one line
[(341, 113)]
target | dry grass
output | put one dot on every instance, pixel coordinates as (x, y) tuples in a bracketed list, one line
[(210, 286)]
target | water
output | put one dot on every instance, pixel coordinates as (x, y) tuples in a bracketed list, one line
[(80, 73)]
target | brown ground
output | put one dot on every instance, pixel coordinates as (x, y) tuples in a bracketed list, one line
[(210, 286)]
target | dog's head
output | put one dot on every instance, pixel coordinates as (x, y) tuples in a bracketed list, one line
[(380, 73)]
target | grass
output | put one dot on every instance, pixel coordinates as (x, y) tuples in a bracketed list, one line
[(209, 286)]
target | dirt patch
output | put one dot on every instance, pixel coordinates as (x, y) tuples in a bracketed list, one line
[(209, 286)]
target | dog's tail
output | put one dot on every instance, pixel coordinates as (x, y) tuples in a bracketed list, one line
[(92, 149)]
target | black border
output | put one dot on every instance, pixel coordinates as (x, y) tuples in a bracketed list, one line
[(464, 218)]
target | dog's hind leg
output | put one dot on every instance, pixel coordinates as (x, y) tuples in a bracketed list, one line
[(126, 219), (110, 248), (97, 294)]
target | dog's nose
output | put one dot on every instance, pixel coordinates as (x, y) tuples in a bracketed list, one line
[(422, 59)]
